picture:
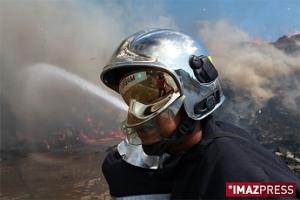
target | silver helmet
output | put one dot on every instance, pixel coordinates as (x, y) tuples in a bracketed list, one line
[(180, 56)]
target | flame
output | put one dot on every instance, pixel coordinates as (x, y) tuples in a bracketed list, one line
[(89, 134), (111, 136)]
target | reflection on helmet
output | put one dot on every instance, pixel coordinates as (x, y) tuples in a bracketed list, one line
[(171, 55), (150, 126), (147, 93)]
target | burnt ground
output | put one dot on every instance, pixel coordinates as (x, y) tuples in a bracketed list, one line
[(68, 175), (62, 175), (54, 176)]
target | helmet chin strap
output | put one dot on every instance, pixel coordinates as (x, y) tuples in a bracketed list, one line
[(187, 126)]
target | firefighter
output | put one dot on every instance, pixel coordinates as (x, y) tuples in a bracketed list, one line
[(174, 148)]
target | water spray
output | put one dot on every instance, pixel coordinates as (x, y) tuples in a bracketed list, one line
[(54, 71)]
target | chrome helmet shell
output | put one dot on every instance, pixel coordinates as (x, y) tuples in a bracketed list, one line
[(170, 51)]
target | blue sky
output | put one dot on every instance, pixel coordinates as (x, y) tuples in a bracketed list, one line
[(267, 19), (263, 18)]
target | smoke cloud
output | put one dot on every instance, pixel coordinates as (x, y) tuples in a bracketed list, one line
[(80, 38), (77, 37), (254, 69)]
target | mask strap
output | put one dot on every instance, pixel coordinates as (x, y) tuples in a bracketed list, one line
[(187, 126)]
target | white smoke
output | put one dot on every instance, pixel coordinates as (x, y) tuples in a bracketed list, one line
[(258, 70), (78, 37)]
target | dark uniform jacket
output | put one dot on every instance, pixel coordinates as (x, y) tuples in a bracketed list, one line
[(226, 153)]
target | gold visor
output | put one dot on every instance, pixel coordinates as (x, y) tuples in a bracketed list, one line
[(147, 93)]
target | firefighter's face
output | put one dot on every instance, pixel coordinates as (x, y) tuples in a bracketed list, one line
[(162, 126)]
